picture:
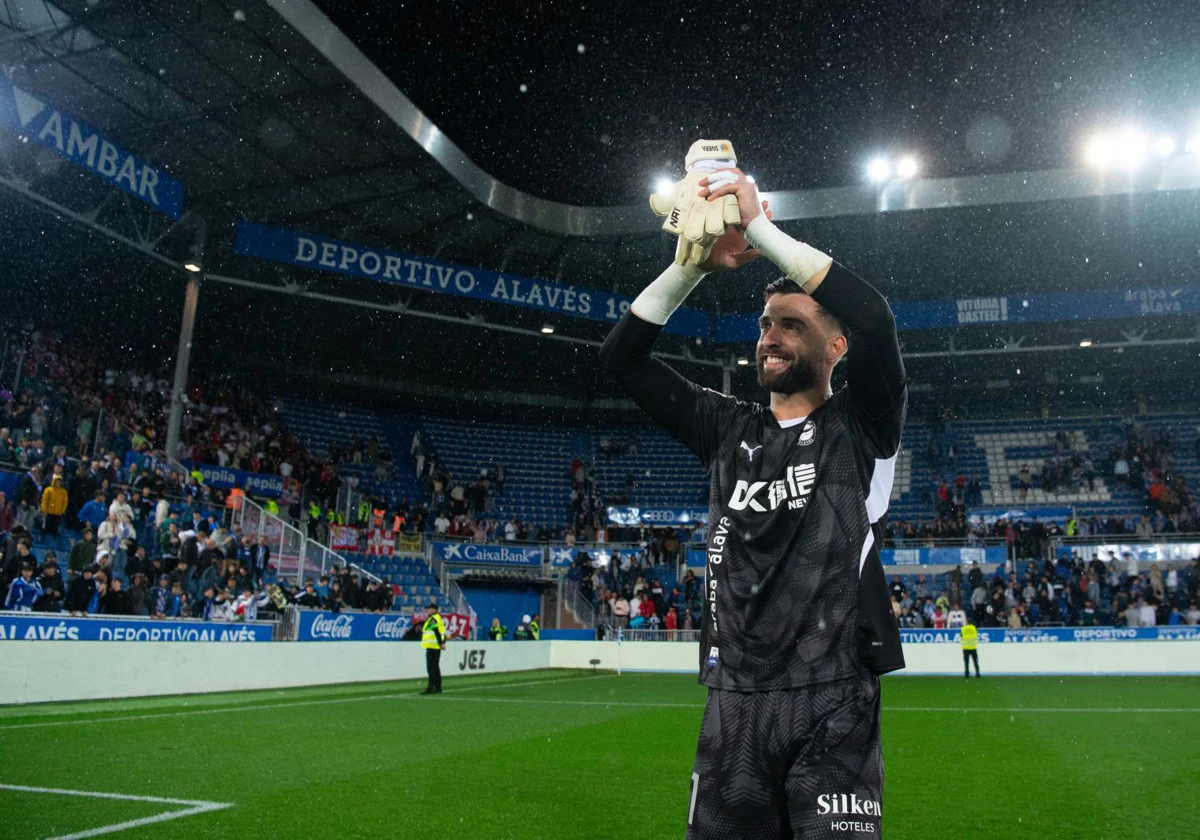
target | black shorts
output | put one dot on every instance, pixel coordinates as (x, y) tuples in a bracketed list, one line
[(802, 763)]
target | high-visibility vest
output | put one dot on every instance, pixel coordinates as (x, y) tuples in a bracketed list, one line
[(272, 507), (970, 637), (429, 639), (535, 630), (234, 500)]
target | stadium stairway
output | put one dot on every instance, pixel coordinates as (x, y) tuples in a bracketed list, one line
[(320, 426), (417, 584)]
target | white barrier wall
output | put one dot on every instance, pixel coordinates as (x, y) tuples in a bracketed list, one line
[(1046, 658), (36, 672)]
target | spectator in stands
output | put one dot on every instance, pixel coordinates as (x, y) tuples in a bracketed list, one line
[(334, 602), (898, 589), (95, 511), (957, 617), (52, 586), (245, 608), (114, 599), (83, 553), (23, 591), (309, 597), (79, 592), (1147, 615), (621, 608), (8, 516), (139, 594), (160, 597)]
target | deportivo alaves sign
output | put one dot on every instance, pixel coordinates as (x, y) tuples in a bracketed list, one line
[(357, 260)]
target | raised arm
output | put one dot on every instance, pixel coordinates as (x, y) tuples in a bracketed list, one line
[(874, 369), (655, 386)]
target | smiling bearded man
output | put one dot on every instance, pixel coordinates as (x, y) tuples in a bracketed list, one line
[(797, 620)]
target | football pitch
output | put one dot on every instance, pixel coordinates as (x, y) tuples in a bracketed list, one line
[(564, 754)]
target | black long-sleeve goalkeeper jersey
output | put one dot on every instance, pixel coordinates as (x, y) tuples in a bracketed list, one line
[(794, 590)]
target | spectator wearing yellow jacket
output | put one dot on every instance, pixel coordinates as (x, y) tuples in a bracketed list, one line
[(54, 505)]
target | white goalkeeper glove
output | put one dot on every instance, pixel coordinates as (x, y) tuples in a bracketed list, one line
[(699, 223)]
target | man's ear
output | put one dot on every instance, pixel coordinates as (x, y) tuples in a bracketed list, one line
[(835, 349)]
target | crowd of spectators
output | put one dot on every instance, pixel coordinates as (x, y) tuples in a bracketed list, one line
[(1070, 592), (627, 593)]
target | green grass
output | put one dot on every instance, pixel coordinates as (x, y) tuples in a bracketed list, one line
[(555, 754)]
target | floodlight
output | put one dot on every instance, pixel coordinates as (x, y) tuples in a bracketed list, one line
[(547, 329), (1164, 146), (664, 186), (743, 361), (1132, 148), (906, 168), (1100, 151), (879, 170)]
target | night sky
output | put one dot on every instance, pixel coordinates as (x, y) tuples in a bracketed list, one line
[(808, 92)]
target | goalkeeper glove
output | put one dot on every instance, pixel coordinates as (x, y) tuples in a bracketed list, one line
[(698, 223)]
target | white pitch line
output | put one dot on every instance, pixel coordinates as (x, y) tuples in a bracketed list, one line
[(940, 709), (1068, 710), (197, 806), (298, 704)]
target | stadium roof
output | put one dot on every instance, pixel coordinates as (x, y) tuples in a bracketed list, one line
[(266, 111)]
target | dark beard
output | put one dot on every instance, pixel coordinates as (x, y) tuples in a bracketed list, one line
[(800, 375)]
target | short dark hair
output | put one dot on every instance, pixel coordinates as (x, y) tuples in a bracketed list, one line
[(787, 286)]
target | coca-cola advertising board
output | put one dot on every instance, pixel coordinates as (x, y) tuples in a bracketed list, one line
[(369, 627)]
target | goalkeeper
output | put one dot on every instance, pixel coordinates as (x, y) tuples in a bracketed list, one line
[(797, 621)]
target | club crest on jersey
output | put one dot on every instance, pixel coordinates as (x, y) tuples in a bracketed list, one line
[(807, 434), (750, 450), (792, 490), (713, 656)]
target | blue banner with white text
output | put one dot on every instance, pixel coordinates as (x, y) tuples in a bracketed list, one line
[(990, 516), (352, 627), (83, 146), (1035, 635), (223, 478), (331, 255), (942, 556), (49, 627), (1097, 305), (464, 552)]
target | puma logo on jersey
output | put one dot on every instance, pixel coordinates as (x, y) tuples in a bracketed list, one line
[(794, 490), (750, 450)]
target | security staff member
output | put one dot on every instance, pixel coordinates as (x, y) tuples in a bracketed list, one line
[(535, 628), (433, 639), (497, 632), (970, 649)]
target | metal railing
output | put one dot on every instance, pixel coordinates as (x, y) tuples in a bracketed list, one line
[(451, 590), (624, 635), (295, 554)]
